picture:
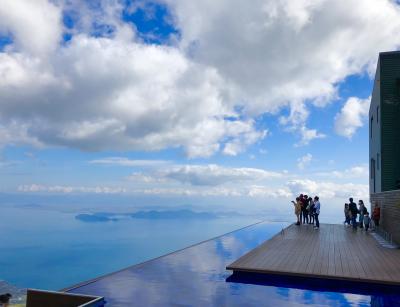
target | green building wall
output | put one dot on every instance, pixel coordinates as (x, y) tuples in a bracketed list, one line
[(390, 120)]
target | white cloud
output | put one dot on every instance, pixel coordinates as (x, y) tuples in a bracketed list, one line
[(285, 53), (359, 171), (304, 161), (14, 133), (307, 135), (328, 189), (240, 143), (121, 161), (209, 175), (145, 178), (296, 122), (352, 116), (38, 188), (35, 25), (264, 191), (99, 93), (139, 98), (235, 61), (215, 191)]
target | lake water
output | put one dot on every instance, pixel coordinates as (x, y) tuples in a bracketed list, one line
[(52, 249)]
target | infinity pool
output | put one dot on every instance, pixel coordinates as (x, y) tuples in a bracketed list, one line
[(196, 276)]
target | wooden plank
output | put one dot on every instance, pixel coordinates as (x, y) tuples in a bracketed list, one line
[(338, 270), (332, 252), (314, 254)]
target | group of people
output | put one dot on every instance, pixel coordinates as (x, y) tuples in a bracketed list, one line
[(351, 211), (307, 210)]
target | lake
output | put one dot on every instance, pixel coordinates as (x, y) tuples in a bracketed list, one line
[(52, 249)]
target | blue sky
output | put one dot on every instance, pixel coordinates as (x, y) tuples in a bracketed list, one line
[(245, 103)]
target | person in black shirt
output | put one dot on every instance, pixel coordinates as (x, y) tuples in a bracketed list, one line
[(311, 210), (354, 211), (305, 210)]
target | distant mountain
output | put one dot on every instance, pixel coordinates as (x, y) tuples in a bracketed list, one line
[(93, 218), (173, 214)]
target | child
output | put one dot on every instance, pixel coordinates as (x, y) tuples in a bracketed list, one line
[(367, 220)]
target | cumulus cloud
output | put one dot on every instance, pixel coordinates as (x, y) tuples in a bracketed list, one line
[(283, 190), (14, 133), (105, 89), (35, 26), (215, 191), (205, 175), (359, 171), (268, 192), (139, 98), (327, 189), (212, 174), (296, 122), (287, 53), (244, 139), (141, 177), (304, 161), (101, 93), (352, 116)]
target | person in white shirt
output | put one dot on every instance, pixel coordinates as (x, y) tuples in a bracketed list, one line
[(317, 208)]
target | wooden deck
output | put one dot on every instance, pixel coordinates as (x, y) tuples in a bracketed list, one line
[(332, 252)]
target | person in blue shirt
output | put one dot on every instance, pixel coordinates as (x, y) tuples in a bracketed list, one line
[(317, 209), (367, 220)]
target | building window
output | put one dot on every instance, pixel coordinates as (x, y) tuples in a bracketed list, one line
[(377, 114), (378, 161), (370, 126)]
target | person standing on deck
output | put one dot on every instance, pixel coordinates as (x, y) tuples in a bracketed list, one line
[(310, 210), (354, 211), (376, 214), (347, 214), (367, 220), (361, 210), (317, 209), (301, 199), (305, 210), (297, 209)]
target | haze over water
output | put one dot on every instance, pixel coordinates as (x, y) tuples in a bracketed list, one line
[(51, 249)]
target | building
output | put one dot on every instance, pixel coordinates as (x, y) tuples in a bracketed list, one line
[(384, 142)]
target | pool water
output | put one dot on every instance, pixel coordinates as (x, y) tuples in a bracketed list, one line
[(196, 276)]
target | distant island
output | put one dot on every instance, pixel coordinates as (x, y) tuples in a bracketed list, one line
[(150, 215), (94, 217)]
